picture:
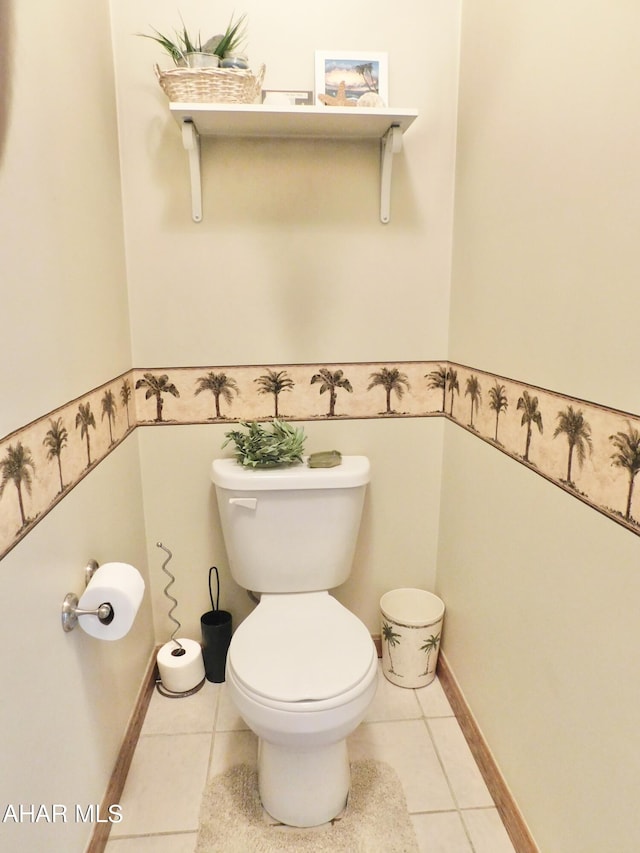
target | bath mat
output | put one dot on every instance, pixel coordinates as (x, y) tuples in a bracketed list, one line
[(375, 819)]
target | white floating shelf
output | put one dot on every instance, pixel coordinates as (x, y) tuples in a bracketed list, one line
[(296, 122)]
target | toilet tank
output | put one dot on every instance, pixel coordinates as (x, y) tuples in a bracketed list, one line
[(290, 529)]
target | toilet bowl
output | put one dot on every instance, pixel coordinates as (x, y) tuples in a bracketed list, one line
[(302, 671)]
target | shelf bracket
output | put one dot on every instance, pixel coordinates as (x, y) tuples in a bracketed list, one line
[(390, 144), (191, 142)]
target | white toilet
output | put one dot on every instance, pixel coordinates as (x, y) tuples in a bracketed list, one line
[(301, 668)]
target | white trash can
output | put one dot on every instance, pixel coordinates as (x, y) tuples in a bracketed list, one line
[(411, 622)]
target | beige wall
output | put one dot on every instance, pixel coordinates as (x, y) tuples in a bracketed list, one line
[(290, 265), (398, 536), (63, 274), (66, 698), (547, 196), (541, 592)]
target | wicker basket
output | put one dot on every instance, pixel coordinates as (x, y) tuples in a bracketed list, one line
[(211, 85)]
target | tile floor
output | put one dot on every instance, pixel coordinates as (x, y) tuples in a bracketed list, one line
[(186, 741)]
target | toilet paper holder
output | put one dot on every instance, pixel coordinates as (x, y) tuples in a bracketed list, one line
[(71, 611)]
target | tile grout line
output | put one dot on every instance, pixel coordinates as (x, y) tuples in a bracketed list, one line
[(214, 732), (458, 808)]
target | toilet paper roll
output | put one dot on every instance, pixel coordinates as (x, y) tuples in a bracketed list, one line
[(181, 672), (119, 585)]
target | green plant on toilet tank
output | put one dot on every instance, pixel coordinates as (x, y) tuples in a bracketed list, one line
[(182, 44), (264, 447)]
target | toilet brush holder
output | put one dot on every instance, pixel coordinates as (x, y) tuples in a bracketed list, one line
[(216, 627)]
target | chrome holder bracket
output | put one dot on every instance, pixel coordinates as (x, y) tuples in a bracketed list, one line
[(71, 611)]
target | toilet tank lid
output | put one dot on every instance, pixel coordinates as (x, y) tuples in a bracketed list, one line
[(352, 472)]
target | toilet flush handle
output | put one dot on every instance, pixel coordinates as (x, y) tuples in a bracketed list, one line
[(247, 503)]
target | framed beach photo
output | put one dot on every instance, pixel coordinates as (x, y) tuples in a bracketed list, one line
[(360, 71)]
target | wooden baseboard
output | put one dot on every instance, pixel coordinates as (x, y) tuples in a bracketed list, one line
[(100, 834), (511, 817)]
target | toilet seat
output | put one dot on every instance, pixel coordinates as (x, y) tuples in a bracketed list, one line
[(302, 648)]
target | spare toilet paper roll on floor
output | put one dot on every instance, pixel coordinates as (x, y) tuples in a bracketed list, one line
[(119, 585), (181, 672)]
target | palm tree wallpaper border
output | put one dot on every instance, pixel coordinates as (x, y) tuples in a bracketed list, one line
[(590, 451), (41, 462)]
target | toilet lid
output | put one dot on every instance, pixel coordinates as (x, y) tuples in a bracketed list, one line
[(301, 647)]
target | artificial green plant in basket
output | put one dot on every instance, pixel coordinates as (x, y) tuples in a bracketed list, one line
[(261, 447), (183, 45)]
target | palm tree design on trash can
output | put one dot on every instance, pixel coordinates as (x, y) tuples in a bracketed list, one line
[(429, 647), (392, 639)]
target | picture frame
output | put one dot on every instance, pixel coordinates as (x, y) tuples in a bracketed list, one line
[(334, 66), (295, 97)]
